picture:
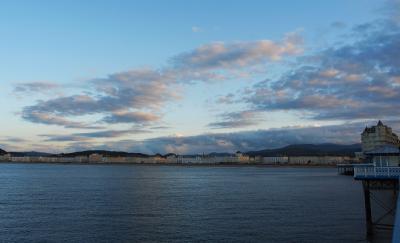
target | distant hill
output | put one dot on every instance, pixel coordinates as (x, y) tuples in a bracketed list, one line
[(215, 154), (2, 152), (290, 150), (31, 154), (310, 150), (104, 153), (212, 154)]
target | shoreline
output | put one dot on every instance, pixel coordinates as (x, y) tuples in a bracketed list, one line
[(184, 164)]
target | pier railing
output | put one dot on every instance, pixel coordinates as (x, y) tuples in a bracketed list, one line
[(372, 172)]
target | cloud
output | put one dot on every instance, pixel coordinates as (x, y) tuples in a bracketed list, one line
[(111, 133), (85, 136), (138, 96), (351, 81), (347, 133), (43, 117), (138, 88), (10, 139), (35, 87), (63, 138), (131, 117), (391, 8), (226, 99), (220, 55), (236, 120), (120, 97), (160, 127), (338, 25)]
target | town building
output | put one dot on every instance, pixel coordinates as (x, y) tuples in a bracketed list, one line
[(378, 136), (275, 160), (380, 145), (5, 157), (95, 158)]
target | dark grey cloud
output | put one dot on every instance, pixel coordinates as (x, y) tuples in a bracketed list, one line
[(63, 138), (131, 117), (85, 136), (347, 133), (10, 139), (236, 120), (33, 114), (226, 99), (160, 127), (111, 133)]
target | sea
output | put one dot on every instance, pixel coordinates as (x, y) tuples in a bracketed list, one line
[(164, 203)]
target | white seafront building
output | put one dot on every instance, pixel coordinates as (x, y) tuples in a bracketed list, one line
[(319, 160), (378, 136), (380, 146), (5, 157)]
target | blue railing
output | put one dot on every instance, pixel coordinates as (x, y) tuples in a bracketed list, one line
[(373, 172)]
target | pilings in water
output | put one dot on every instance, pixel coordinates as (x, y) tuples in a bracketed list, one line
[(380, 200), (396, 230), (345, 169), (368, 214)]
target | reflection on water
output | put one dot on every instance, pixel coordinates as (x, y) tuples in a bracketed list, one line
[(92, 203)]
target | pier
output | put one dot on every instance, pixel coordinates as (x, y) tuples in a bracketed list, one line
[(381, 192), (345, 169), (370, 172)]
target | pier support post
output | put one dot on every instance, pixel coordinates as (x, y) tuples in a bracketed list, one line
[(368, 213)]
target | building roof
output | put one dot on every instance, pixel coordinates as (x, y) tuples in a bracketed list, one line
[(384, 150), (372, 128)]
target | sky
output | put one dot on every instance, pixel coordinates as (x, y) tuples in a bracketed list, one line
[(195, 76)]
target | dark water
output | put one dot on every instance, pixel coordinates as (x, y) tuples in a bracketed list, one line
[(103, 203)]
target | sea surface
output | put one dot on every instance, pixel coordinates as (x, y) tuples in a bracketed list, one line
[(139, 203)]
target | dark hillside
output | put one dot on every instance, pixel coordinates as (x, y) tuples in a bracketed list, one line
[(104, 153), (327, 149), (2, 152)]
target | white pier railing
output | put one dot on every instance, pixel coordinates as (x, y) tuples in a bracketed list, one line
[(361, 172)]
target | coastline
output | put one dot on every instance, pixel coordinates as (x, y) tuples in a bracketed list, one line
[(182, 164)]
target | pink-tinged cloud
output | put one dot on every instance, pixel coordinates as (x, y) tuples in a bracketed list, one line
[(222, 55)]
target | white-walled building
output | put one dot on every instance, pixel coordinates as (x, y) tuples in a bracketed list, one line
[(380, 145), (378, 136), (385, 156), (275, 160), (5, 157)]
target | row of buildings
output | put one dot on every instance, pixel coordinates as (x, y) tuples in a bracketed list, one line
[(238, 158), (380, 146)]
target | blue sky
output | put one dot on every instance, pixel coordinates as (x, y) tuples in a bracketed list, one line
[(160, 76)]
